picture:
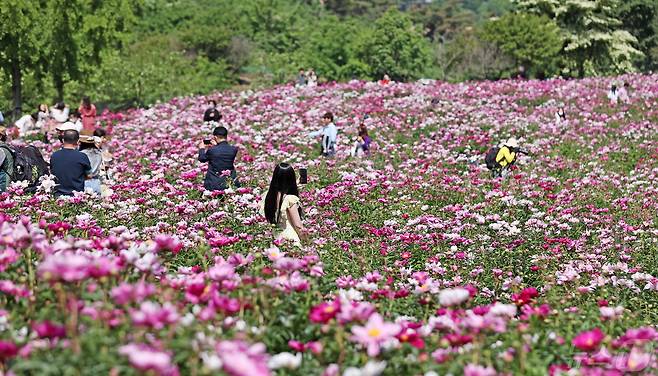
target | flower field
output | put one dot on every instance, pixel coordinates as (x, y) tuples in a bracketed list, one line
[(418, 264)]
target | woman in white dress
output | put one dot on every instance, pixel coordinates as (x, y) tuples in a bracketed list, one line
[(281, 205)]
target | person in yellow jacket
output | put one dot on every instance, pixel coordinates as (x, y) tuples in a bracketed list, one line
[(506, 156)]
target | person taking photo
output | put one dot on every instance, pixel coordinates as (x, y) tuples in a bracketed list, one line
[(220, 156)]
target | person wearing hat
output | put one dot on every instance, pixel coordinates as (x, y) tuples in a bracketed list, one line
[(220, 156), (506, 156), (70, 167), (6, 161), (90, 146), (63, 127)]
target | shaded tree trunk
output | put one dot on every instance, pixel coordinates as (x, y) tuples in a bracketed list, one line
[(16, 87), (58, 80)]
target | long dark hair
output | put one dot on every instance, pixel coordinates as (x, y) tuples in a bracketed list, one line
[(86, 102), (363, 131), (283, 182)]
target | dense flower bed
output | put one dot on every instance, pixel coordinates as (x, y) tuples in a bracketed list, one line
[(419, 263)]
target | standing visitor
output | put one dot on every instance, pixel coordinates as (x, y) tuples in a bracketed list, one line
[(6, 161), (2, 118), (90, 146), (211, 114), (281, 205), (385, 81), (220, 156), (70, 167), (329, 134), (88, 114)]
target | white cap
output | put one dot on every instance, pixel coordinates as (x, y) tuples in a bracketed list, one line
[(68, 126), (512, 142)]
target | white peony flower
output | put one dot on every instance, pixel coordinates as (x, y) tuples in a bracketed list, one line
[(450, 297), (285, 360)]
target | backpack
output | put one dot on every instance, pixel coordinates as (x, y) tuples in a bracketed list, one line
[(490, 158), (29, 165)]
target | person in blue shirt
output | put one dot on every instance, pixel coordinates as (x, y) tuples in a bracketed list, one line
[(328, 133), (2, 118), (220, 156), (70, 166)]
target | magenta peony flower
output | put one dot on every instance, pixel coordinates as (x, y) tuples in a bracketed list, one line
[(324, 312), (588, 340), (7, 350), (47, 329)]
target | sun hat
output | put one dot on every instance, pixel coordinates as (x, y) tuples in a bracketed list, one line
[(90, 139), (512, 142)]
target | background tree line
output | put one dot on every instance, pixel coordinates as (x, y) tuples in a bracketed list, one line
[(135, 52)]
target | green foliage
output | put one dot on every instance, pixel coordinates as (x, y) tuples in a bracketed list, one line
[(594, 43), (114, 50), (533, 41), (640, 18), (395, 48)]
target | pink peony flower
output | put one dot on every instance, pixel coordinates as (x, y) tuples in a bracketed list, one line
[(374, 333), (477, 370), (241, 359), (145, 358)]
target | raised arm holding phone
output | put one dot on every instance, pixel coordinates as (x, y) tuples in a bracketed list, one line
[(220, 156)]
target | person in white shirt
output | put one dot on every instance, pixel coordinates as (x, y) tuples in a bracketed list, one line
[(312, 78), (74, 121), (613, 95), (560, 116), (60, 112), (26, 123), (329, 133)]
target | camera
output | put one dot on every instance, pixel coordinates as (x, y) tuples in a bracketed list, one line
[(206, 142), (303, 176)]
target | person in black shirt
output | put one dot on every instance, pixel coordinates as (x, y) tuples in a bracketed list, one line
[(70, 167), (211, 113), (220, 157)]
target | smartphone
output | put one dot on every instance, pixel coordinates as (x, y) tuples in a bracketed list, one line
[(206, 142), (303, 176)]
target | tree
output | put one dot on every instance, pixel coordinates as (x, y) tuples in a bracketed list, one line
[(442, 20), (594, 42), (533, 41), (78, 31), (396, 48), (20, 44), (640, 18)]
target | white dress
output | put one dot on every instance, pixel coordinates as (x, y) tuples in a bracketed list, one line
[(286, 229)]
